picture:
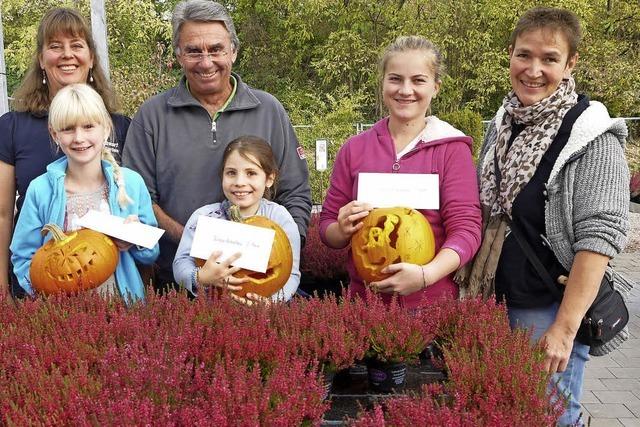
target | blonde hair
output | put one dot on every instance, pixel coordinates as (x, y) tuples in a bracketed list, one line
[(79, 104), (32, 95), (419, 43)]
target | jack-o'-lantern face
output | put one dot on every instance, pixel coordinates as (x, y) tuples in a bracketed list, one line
[(78, 261), (390, 236)]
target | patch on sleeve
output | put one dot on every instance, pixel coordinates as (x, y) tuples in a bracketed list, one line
[(300, 151)]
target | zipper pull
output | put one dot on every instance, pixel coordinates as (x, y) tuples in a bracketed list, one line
[(396, 166), (214, 128), (599, 328)]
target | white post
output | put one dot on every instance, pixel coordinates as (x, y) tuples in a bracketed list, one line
[(4, 100), (99, 30)]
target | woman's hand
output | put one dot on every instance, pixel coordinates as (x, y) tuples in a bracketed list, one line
[(121, 244), (220, 273), (409, 278), (581, 288), (557, 345), (251, 299), (405, 279)]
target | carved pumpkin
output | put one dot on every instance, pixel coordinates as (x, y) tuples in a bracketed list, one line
[(390, 236), (280, 261), (73, 262)]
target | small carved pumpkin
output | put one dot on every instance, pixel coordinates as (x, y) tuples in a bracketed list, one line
[(280, 261), (279, 267), (390, 236), (72, 262)]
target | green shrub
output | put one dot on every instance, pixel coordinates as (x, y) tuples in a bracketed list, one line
[(335, 124), (468, 122)]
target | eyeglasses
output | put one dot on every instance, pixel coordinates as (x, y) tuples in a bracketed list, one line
[(199, 56)]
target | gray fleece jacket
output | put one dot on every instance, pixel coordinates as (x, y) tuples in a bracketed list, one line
[(177, 147)]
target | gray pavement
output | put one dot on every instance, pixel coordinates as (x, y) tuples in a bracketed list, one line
[(611, 392)]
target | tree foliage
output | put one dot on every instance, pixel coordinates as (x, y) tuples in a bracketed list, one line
[(312, 54)]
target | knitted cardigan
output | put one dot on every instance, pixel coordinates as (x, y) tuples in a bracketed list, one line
[(587, 206)]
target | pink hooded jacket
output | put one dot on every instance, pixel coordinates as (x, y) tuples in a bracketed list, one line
[(456, 225)]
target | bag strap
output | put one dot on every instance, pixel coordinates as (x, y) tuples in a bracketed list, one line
[(535, 261), (522, 241)]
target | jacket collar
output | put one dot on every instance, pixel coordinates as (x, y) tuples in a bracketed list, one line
[(58, 169), (592, 123), (445, 133), (244, 98)]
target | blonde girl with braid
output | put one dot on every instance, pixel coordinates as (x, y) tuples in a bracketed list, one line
[(86, 178)]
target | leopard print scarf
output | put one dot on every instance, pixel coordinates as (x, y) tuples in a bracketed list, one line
[(517, 164)]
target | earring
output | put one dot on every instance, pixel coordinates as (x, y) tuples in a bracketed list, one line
[(91, 75), (44, 77)]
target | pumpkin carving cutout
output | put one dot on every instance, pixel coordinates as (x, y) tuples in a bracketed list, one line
[(78, 261), (280, 260), (390, 236)]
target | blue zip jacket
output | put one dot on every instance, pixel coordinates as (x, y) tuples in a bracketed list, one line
[(45, 203)]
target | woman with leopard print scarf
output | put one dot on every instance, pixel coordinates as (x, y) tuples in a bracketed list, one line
[(552, 165)]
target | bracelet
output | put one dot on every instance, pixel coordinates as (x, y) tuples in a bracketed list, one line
[(195, 279), (424, 281)]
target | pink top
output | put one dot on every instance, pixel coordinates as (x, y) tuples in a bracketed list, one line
[(456, 225)]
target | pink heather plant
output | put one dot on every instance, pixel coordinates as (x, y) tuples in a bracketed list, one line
[(85, 361), (634, 184), (395, 334), (325, 330), (317, 260), (425, 410), (495, 377)]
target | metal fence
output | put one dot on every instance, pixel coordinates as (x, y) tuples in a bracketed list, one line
[(361, 127)]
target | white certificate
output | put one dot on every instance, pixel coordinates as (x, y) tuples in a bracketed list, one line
[(413, 190), (254, 243), (133, 232)]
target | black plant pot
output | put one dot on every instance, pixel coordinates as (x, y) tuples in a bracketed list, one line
[(432, 358), (386, 377), (327, 377), (358, 371)]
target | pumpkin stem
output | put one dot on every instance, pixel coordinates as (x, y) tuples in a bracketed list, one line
[(56, 231), (234, 214)]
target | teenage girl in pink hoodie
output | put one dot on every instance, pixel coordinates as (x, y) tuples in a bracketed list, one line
[(408, 142)]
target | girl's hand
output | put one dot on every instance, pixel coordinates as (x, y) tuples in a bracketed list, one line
[(220, 273), (251, 299), (405, 279), (121, 244), (349, 217)]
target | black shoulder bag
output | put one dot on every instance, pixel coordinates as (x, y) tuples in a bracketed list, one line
[(608, 314)]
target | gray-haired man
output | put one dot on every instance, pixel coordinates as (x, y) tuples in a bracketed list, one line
[(177, 138)]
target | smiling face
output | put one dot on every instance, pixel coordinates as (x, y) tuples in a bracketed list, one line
[(244, 182), (82, 143), (210, 75), (409, 85), (66, 59), (539, 61)]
